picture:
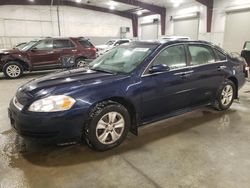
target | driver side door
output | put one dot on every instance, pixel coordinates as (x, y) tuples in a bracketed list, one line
[(42, 56), (169, 91)]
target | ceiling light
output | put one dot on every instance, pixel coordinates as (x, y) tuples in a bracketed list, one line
[(112, 3), (111, 7), (139, 13), (31, 0), (176, 5), (78, 1)]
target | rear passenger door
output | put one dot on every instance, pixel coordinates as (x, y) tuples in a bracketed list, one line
[(63, 47), (208, 72)]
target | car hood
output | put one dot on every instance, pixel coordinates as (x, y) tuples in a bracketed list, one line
[(12, 51), (102, 46), (68, 81)]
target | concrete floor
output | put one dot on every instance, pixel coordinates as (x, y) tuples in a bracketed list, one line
[(203, 148)]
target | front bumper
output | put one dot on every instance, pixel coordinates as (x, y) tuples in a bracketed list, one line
[(53, 127)]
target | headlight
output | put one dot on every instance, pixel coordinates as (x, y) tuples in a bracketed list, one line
[(52, 104)]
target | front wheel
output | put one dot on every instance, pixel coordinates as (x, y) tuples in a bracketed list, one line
[(226, 96), (108, 126), (13, 70)]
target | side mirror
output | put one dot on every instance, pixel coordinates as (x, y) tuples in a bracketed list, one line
[(159, 68)]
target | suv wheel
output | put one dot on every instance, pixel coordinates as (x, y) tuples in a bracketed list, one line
[(13, 70), (226, 95), (81, 62), (108, 126)]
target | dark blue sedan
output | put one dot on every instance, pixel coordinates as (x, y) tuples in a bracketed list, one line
[(131, 85)]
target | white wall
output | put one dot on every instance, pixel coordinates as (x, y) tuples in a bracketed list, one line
[(187, 9), (219, 18), (23, 23)]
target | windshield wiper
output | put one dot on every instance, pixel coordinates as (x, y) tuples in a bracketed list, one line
[(101, 70)]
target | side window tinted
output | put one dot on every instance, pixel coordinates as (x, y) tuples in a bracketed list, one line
[(44, 45), (201, 55), (221, 56), (123, 42), (86, 44), (63, 44), (174, 57)]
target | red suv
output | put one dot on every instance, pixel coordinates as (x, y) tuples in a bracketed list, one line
[(45, 54)]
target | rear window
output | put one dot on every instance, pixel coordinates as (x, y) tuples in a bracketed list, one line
[(247, 46), (86, 44)]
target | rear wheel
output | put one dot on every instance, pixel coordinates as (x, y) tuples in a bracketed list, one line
[(13, 70), (107, 127), (226, 95), (81, 62)]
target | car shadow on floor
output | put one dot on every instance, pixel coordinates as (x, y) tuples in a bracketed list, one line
[(51, 156)]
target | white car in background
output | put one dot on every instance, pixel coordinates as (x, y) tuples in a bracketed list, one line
[(175, 38), (101, 49)]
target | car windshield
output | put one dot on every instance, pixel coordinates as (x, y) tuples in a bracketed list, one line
[(123, 59), (111, 42), (28, 46), (247, 46)]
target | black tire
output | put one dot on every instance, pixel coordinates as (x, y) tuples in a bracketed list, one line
[(218, 104), (16, 66), (81, 63), (99, 111)]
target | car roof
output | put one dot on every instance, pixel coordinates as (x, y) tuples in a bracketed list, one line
[(162, 42)]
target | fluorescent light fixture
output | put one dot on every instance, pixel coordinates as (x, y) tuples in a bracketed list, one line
[(187, 16), (176, 5), (139, 12), (31, 0), (78, 1), (112, 7), (238, 8)]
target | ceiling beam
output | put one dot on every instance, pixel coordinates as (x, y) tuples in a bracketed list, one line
[(152, 8), (210, 5), (78, 5)]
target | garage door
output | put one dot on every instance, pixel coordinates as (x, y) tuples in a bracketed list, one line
[(187, 27), (149, 31), (237, 30)]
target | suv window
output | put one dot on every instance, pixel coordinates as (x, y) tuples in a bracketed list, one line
[(44, 45), (174, 57), (63, 43), (86, 44), (201, 55), (247, 46)]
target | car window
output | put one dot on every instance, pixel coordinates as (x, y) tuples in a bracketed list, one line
[(123, 59), (247, 46), (174, 57), (220, 55), (44, 45), (201, 55), (86, 44), (123, 42), (63, 43)]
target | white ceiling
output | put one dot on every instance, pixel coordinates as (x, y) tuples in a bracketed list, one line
[(167, 3)]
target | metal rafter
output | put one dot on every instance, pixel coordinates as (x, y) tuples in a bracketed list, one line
[(210, 5), (128, 15)]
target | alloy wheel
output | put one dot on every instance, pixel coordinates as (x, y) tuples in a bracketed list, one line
[(227, 95), (13, 71), (110, 127), (82, 63)]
